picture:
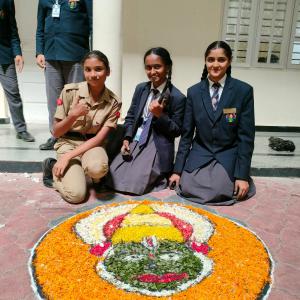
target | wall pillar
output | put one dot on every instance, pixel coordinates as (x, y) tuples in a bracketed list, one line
[(107, 37)]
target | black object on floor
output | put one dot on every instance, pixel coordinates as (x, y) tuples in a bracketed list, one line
[(47, 167), (49, 145), (279, 144), (25, 136)]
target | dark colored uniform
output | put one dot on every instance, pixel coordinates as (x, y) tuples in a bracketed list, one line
[(216, 148), (63, 39), (149, 166), (9, 49)]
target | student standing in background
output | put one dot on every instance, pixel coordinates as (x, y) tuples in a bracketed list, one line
[(11, 59), (62, 39)]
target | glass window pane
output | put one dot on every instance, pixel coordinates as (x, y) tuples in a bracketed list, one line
[(263, 52), (269, 5), (296, 54), (267, 23), (278, 31), (231, 29), (275, 54), (245, 13), (280, 15), (297, 33), (233, 12), (240, 59), (244, 29), (242, 45), (232, 21), (265, 31)]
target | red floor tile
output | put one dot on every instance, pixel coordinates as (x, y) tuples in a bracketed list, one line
[(27, 208)]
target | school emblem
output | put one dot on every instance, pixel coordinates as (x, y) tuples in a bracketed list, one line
[(231, 118), (230, 115), (73, 4)]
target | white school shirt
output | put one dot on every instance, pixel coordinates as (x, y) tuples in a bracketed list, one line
[(221, 88)]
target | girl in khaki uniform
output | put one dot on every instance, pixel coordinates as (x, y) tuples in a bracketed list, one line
[(86, 113)]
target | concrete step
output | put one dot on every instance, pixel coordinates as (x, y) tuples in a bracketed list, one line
[(17, 156)]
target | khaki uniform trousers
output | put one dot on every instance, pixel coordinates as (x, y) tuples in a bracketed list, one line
[(73, 186)]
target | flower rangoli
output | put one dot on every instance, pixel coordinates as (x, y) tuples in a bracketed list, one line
[(150, 250)]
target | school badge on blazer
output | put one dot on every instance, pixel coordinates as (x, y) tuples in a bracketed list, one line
[(73, 4), (230, 115)]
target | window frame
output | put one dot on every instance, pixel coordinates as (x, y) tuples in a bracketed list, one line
[(250, 33), (293, 36), (254, 38)]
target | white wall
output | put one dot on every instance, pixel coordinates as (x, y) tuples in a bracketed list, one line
[(185, 28), (31, 80), (276, 92), (180, 26)]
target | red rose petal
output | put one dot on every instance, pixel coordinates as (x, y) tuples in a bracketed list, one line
[(99, 250)]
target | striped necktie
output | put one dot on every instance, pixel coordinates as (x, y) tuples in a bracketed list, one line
[(215, 96), (145, 133)]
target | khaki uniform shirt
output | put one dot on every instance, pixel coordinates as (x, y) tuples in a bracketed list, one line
[(105, 112)]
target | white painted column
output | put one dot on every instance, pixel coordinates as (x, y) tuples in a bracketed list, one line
[(4, 118), (107, 37)]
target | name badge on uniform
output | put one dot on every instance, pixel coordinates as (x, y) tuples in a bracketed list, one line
[(138, 134), (230, 114), (56, 10)]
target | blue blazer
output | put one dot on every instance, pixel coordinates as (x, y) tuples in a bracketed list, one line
[(9, 37), (165, 128), (223, 135), (67, 37)]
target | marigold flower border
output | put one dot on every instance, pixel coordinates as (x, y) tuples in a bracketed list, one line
[(264, 292)]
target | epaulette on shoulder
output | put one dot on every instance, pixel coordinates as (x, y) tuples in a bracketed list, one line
[(114, 96), (71, 86)]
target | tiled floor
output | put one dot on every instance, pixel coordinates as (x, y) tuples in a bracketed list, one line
[(28, 209)]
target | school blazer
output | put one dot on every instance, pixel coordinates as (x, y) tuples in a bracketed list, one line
[(222, 135), (9, 37), (165, 128), (65, 38)]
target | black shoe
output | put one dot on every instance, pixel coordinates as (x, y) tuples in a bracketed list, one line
[(25, 136), (49, 145), (47, 166), (100, 187)]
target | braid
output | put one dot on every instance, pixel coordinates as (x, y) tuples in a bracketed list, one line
[(204, 73), (165, 57), (169, 77), (228, 71)]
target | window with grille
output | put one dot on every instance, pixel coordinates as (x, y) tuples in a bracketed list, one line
[(294, 57), (238, 28), (263, 32)]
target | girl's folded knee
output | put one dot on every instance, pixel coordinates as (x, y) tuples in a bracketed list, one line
[(97, 170)]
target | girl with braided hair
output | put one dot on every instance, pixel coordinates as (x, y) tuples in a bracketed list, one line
[(214, 155), (153, 121)]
